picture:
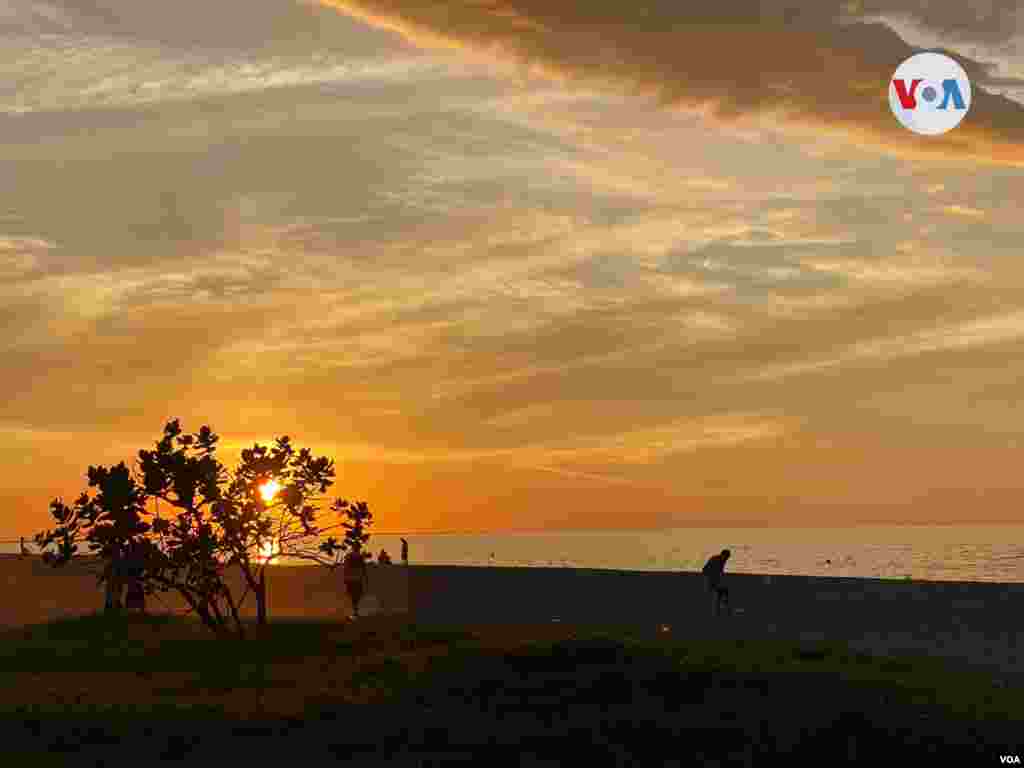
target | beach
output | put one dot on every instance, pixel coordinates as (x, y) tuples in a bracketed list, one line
[(967, 623), (974, 623), (34, 592)]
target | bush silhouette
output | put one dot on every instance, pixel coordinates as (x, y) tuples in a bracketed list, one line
[(221, 519)]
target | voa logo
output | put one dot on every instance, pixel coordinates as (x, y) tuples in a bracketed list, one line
[(930, 93), (1009, 759)]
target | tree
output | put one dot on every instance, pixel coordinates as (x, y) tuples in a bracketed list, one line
[(358, 519), (110, 522), (222, 519), (263, 527)]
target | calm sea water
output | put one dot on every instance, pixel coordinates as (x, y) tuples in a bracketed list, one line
[(942, 553)]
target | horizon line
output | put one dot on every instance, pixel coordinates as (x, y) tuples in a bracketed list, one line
[(697, 525)]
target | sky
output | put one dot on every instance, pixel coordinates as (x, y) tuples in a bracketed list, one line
[(519, 264)]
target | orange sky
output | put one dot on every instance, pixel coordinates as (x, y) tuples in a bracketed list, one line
[(520, 264)]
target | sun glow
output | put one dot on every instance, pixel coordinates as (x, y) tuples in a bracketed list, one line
[(269, 489), (267, 551)]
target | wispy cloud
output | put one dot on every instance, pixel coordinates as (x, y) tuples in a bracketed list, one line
[(649, 444), (20, 256), (777, 68), (84, 73), (632, 447), (995, 329), (579, 252), (897, 271), (964, 210)]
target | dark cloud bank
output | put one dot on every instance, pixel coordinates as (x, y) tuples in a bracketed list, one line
[(824, 64)]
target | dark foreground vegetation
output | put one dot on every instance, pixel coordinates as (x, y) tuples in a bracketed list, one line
[(114, 691)]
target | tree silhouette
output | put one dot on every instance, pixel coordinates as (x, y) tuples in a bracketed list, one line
[(357, 518), (110, 522), (220, 520), (287, 524)]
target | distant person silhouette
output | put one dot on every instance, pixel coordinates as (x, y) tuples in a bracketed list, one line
[(355, 577), (713, 571), (384, 558), (405, 552)]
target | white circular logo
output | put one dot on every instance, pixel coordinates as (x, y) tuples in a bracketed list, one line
[(930, 93)]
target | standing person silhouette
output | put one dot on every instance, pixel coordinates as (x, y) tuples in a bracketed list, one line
[(405, 552), (713, 571), (355, 576)]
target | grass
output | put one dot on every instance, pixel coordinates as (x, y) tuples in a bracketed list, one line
[(396, 688)]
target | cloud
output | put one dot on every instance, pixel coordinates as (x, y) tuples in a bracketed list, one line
[(895, 271), (635, 446), (808, 64), (964, 210), (991, 31), (650, 444), (227, 26), (986, 21), (995, 329), (107, 54), (82, 73), (18, 432), (446, 267), (21, 256)]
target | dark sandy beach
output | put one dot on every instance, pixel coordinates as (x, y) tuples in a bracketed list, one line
[(34, 592), (976, 623), (973, 623)]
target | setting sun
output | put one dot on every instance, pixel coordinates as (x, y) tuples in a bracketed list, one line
[(267, 551), (269, 489)]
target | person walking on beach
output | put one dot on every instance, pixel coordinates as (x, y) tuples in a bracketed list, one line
[(713, 571), (355, 577), (405, 552)]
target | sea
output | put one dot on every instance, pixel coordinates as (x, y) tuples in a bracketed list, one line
[(938, 553)]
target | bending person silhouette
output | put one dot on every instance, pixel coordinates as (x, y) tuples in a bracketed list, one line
[(713, 571)]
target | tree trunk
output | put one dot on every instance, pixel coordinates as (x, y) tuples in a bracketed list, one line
[(211, 602), (109, 604), (239, 628), (261, 598), (112, 588), (200, 610)]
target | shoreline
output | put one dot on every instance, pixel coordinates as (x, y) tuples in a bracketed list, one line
[(86, 560)]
